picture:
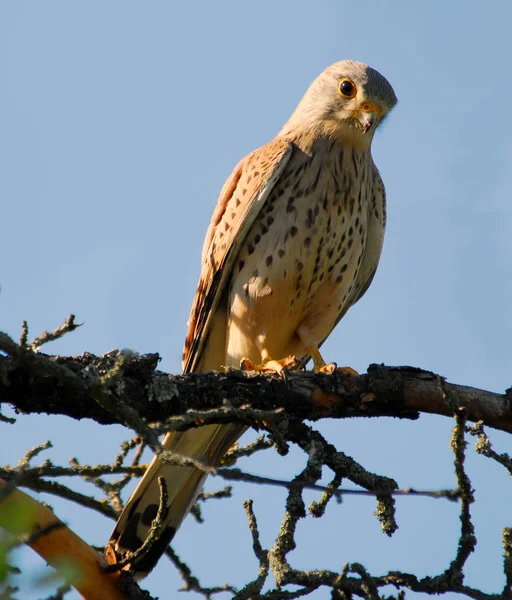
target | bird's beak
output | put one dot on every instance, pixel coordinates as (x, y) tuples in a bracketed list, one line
[(367, 120), (367, 116)]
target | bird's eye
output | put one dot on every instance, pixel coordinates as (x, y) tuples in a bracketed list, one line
[(347, 88)]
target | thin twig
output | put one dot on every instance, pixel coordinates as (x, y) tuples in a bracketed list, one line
[(49, 336), (238, 475), (253, 588), (24, 334), (483, 446), (191, 582), (467, 540), (295, 510), (24, 463), (507, 561), (317, 509), (8, 420), (260, 443), (60, 592)]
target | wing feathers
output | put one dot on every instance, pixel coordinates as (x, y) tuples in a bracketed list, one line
[(241, 199)]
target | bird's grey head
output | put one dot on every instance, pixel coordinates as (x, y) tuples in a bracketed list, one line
[(348, 100)]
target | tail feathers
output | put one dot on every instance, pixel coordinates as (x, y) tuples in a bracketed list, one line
[(206, 444)]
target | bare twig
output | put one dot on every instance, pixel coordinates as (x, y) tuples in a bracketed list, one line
[(60, 592), (8, 420), (346, 467), (467, 540), (204, 496), (24, 463), (507, 561), (191, 582), (295, 510), (260, 443), (253, 588), (238, 475), (61, 491), (113, 488), (48, 469), (483, 446), (48, 336), (125, 448), (317, 509), (24, 334)]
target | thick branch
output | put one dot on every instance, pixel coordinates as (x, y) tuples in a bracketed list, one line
[(36, 383), (58, 545)]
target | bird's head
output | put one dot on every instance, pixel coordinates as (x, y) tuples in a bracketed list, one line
[(348, 100)]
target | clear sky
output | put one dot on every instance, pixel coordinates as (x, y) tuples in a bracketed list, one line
[(119, 122)]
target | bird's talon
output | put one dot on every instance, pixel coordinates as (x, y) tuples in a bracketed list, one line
[(328, 369), (247, 365), (290, 363)]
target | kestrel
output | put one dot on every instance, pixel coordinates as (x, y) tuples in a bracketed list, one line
[(293, 243)]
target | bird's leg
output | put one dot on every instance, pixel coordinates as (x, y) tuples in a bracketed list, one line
[(289, 363), (319, 364)]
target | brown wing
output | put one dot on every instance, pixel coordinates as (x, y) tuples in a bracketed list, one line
[(240, 201)]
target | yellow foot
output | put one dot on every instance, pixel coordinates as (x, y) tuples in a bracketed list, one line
[(329, 369), (320, 366), (290, 363)]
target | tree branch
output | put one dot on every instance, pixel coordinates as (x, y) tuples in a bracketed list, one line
[(58, 545), (123, 387), (36, 383)]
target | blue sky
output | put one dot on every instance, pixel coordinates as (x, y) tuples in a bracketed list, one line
[(119, 122)]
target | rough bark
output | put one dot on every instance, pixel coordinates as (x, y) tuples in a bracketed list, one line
[(36, 383)]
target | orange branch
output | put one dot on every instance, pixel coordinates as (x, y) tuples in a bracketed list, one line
[(20, 514)]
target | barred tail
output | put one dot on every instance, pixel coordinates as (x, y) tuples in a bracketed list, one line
[(206, 444)]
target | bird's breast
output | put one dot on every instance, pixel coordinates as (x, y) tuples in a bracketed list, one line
[(300, 259)]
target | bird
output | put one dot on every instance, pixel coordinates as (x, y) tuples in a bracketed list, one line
[(293, 243)]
